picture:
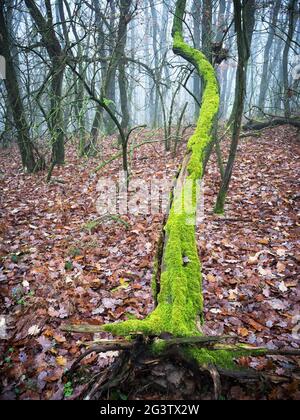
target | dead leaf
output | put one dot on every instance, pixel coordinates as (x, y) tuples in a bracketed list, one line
[(281, 267), (277, 305), (53, 313), (264, 241), (34, 330), (211, 278), (233, 294), (282, 287), (254, 324), (59, 338), (281, 252), (61, 361), (243, 332)]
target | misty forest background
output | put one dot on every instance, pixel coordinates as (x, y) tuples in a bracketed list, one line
[(71, 62)]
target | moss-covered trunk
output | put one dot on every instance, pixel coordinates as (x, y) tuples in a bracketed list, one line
[(178, 269), (180, 301)]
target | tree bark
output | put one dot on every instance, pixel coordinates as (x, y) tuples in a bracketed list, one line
[(58, 62), (207, 33), (285, 60), (197, 41), (273, 122), (15, 101), (248, 23), (265, 74), (242, 27)]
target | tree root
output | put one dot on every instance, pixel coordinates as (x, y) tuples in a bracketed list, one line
[(138, 368)]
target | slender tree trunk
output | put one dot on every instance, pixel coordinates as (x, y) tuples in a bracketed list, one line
[(155, 31), (277, 79), (99, 118), (207, 32), (56, 117), (221, 21), (58, 62), (265, 74), (285, 59), (149, 96), (111, 74), (8, 134), (196, 10), (15, 100), (241, 25), (248, 17), (122, 39), (78, 84)]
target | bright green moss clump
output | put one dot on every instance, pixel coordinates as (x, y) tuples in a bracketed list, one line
[(180, 300)]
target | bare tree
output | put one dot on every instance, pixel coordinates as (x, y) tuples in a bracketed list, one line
[(57, 56), (25, 144), (244, 16)]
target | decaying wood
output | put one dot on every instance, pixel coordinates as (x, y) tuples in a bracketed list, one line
[(274, 122), (252, 134), (82, 328)]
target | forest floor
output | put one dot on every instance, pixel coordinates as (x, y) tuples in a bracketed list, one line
[(57, 266)]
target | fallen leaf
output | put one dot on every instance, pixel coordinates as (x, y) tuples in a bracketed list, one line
[(34, 330), (281, 267), (282, 287), (281, 252), (53, 313), (59, 338), (215, 311), (61, 361), (264, 241), (53, 378), (25, 284), (233, 294), (254, 324), (265, 272), (45, 343), (278, 305), (211, 278), (243, 332)]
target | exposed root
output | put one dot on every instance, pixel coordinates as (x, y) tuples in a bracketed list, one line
[(217, 381), (137, 368)]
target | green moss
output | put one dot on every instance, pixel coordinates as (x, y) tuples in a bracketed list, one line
[(178, 17), (158, 346), (222, 358), (154, 280), (220, 204), (180, 300)]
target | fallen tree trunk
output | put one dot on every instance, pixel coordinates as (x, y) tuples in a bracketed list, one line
[(171, 334), (274, 122), (180, 300), (179, 310)]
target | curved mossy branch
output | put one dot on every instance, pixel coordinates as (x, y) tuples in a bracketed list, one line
[(180, 300)]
